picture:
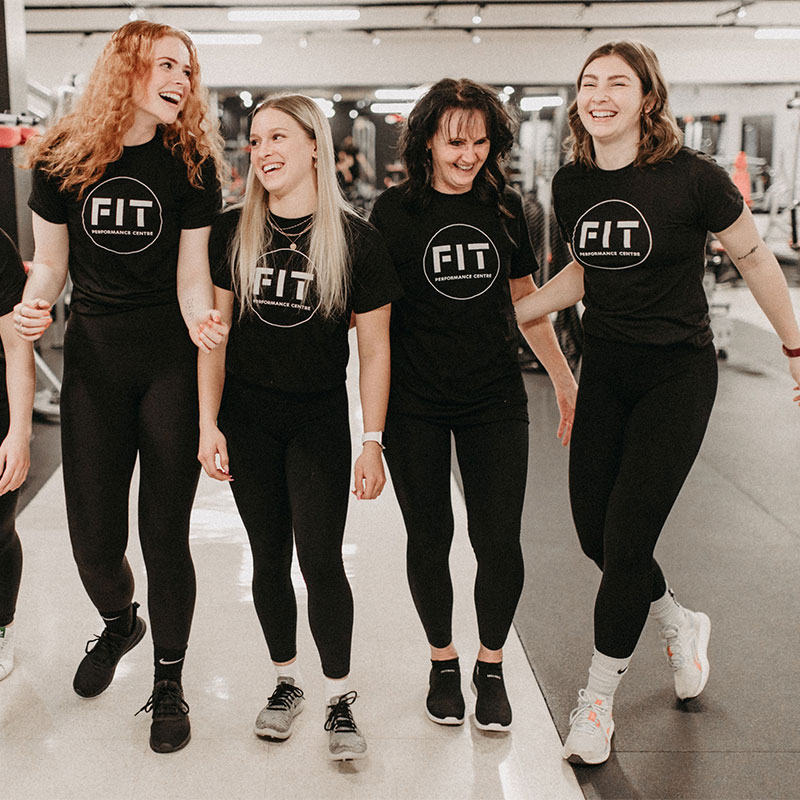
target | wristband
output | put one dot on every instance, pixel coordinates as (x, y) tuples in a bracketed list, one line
[(373, 436), (791, 353)]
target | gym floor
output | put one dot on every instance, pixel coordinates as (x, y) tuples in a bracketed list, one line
[(730, 548)]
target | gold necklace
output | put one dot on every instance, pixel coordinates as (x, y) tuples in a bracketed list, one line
[(292, 237)]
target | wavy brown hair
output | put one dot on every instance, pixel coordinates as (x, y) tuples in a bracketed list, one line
[(438, 104), (659, 137), (77, 148)]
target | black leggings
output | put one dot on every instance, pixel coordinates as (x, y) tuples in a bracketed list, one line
[(493, 460), (290, 461), (10, 547), (130, 387), (641, 416)]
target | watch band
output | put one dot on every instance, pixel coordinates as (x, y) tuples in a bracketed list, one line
[(373, 436), (795, 353)]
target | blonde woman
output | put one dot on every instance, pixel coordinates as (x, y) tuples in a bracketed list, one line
[(289, 267), (124, 192), (635, 207)]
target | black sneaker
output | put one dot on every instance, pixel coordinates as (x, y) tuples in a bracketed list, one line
[(170, 729), (492, 709), (96, 670), (445, 703)]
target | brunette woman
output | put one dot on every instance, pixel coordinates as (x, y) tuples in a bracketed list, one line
[(635, 207), (458, 237)]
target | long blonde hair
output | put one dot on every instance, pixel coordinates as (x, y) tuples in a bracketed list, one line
[(77, 148), (660, 136), (328, 248)]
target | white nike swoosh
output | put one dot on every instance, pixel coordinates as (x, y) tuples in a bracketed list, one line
[(167, 663)]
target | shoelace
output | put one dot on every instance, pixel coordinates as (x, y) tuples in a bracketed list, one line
[(165, 701), (106, 646), (340, 717), (579, 716), (283, 696), (672, 640)]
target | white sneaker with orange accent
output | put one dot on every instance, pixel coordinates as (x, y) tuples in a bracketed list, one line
[(591, 729), (686, 649)]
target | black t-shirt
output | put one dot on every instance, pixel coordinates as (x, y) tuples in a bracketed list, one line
[(286, 343), (454, 334), (124, 231), (12, 282), (640, 234)]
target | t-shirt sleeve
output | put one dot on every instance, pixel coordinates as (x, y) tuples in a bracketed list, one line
[(46, 199), (720, 202), (523, 260), (12, 275), (222, 229), (566, 235), (375, 281), (201, 204)]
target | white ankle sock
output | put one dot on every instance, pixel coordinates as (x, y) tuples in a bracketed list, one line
[(291, 670), (336, 687), (605, 673), (666, 610)]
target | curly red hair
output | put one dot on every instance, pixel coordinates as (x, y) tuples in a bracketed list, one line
[(77, 148)]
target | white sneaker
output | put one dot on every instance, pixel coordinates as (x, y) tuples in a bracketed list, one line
[(6, 651), (591, 729), (686, 649)]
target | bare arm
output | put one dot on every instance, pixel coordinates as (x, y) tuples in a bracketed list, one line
[(20, 382), (196, 292), (764, 277), (210, 382), (46, 279), (561, 291), (372, 330), (540, 335)]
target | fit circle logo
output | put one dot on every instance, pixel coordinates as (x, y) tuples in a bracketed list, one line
[(461, 262), (122, 215), (282, 288), (612, 235)]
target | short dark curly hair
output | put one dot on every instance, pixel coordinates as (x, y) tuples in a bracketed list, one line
[(439, 102)]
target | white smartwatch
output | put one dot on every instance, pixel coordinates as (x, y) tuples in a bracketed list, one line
[(373, 436)]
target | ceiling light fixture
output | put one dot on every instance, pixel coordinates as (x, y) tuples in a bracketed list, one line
[(777, 33), (538, 102), (403, 109), (476, 17), (326, 106), (409, 95)]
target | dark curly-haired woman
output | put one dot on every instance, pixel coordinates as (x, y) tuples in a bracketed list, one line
[(459, 241)]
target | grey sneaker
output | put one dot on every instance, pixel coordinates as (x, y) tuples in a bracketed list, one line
[(284, 704), (345, 743)]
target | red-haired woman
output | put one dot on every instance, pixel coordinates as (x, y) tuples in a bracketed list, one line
[(635, 207), (124, 191)]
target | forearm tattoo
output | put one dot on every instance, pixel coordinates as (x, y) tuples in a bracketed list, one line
[(748, 253)]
